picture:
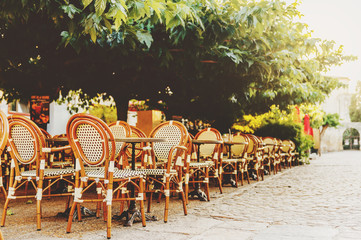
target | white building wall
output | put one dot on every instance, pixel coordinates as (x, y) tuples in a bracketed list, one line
[(58, 119), (337, 102)]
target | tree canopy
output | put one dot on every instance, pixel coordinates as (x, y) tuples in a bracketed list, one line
[(212, 60)]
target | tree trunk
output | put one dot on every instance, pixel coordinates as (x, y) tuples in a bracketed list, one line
[(322, 132), (122, 106)]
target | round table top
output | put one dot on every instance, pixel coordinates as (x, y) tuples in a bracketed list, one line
[(233, 143), (139, 140), (206, 141)]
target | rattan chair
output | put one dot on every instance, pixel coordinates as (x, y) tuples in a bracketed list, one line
[(27, 148), (294, 153), (236, 165), (4, 131), (94, 148), (277, 155), (286, 153), (210, 164), (142, 151), (269, 154), (255, 156), (120, 129), (167, 178)]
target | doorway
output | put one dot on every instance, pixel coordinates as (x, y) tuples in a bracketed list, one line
[(351, 139)]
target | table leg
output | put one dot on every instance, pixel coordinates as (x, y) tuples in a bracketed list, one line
[(197, 190), (133, 214), (228, 177)]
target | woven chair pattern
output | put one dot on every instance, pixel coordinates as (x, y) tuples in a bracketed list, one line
[(27, 144), (173, 135), (119, 131), (286, 145), (206, 150), (91, 143), (238, 149), (268, 149), (49, 172), (24, 143)]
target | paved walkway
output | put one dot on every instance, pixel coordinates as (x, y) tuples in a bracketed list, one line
[(317, 201)]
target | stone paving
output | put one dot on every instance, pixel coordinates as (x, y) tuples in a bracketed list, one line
[(317, 201)]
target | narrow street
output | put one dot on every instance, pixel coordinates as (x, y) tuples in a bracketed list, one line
[(317, 201)]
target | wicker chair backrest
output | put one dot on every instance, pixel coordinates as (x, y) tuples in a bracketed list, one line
[(207, 150), (293, 145), (252, 145), (120, 129), (25, 139), (239, 149), (175, 134), (286, 146), (91, 139), (269, 149)]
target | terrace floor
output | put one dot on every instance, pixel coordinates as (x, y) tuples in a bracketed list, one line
[(317, 201)]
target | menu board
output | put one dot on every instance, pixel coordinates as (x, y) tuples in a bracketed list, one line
[(39, 109)]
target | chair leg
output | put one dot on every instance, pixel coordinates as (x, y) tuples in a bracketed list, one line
[(248, 181), (79, 212), (38, 215), (242, 173), (109, 220), (207, 184), (3, 218), (142, 190), (105, 212), (99, 205), (186, 190), (184, 203), (149, 202), (70, 218), (166, 205), (220, 184)]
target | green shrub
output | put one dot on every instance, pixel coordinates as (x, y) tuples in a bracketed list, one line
[(106, 113)]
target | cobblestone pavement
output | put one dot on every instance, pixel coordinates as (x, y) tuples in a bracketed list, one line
[(317, 201)]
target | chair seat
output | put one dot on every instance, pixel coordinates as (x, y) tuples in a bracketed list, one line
[(99, 173), (232, 160), (159, 172), (201, 164), (49, 172)]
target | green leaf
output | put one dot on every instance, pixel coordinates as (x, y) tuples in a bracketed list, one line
[(119, 18), (108, 24), (70, 10), (100, 6), (86, 3), (93, 34), (145, 38)]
